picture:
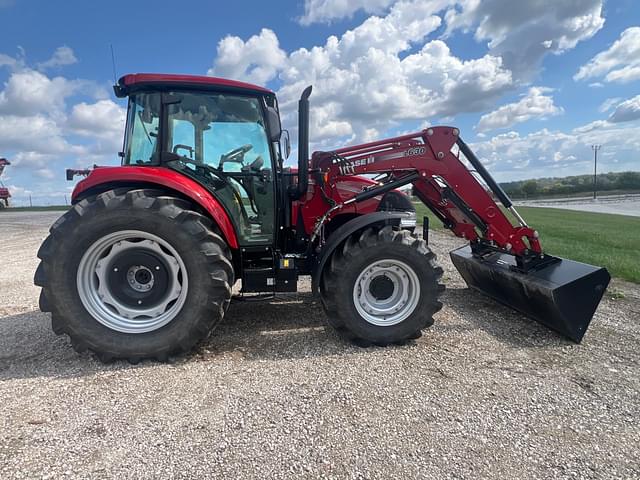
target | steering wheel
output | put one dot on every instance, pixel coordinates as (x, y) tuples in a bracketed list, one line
[(236, 155)]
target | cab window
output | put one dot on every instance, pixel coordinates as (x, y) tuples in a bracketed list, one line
[(144, 120)]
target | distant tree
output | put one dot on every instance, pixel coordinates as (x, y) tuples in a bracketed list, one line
[(512, 189), (530, 187), (628, 180), (574, 184), (605, 183)]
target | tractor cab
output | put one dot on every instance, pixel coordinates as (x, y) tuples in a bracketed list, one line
[(226, 137)]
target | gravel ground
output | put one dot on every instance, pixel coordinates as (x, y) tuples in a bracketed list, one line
[(276, 394)]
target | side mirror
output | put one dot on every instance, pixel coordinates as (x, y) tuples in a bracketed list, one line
[(273, 124), (285, 143)]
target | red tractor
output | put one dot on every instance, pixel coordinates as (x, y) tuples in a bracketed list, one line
[(5, 195), (144, 263)]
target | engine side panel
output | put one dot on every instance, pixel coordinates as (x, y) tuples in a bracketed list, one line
[(314, 204)]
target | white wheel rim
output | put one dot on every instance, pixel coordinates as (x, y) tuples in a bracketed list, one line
[(383, 310), (132, 305)]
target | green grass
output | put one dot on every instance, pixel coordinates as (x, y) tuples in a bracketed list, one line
[(610, 241), (49, 208)]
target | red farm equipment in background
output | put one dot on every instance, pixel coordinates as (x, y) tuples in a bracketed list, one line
[(5, 195), (143, 264)]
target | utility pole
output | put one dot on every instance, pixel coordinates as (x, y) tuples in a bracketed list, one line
[(595, 149)]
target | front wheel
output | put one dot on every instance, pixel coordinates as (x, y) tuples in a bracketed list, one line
[(381, 287), (134, 274)]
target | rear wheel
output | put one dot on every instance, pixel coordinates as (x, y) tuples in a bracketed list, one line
[(134, 274), (381, 287)]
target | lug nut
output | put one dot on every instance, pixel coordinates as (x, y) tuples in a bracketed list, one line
[(115, 269), (139, 302), (157, 267)]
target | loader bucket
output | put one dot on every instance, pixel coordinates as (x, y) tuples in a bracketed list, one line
[(563, 295)]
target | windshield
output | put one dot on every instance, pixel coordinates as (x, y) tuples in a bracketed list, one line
[(209, 128), (142, 134)]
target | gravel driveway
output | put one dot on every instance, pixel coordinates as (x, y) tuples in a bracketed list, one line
[(276, 394)]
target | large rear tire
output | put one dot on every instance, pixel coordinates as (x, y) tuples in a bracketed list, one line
[(134, 274), (381, 287)]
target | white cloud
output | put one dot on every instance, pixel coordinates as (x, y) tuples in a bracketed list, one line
[(104, 120), (387, 71), (535, 104), (324, 11), (627, 111), (35, 134), (256, 60), (523, 34), (548, 153), (619, 63), (8, 61), (608, 104), (591, 126), (364, 82), (28, 92), (61, 57), (41, 133), (18, 191)]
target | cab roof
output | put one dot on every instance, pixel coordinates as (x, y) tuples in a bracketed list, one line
[(135, 81)]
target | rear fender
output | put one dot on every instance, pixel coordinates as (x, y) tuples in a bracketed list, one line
[(106, 178), (377, 219)]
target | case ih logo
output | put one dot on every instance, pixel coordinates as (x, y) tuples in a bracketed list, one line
[(350, 168), (414, 151)]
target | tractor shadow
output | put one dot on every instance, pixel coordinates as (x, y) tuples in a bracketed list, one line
[(504, 324), (286, 327), (290, 326)]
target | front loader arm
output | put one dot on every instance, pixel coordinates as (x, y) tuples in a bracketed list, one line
[(441, 181)]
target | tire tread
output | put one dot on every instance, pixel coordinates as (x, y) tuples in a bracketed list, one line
[(212, 246)]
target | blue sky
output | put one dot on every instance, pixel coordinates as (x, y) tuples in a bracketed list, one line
[(531, 88)]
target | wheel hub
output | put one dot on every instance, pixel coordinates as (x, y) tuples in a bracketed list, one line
[(386, 292), (381, 287), (140, 278), (132, 282)]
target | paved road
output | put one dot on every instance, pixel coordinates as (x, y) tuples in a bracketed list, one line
[(614, 204), (273, 393)]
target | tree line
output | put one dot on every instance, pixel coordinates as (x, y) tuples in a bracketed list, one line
[(619, 181)]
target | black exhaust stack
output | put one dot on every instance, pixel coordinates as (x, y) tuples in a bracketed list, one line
[(297, 191)]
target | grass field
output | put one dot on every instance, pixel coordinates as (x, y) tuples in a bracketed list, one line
[(599, 239)]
